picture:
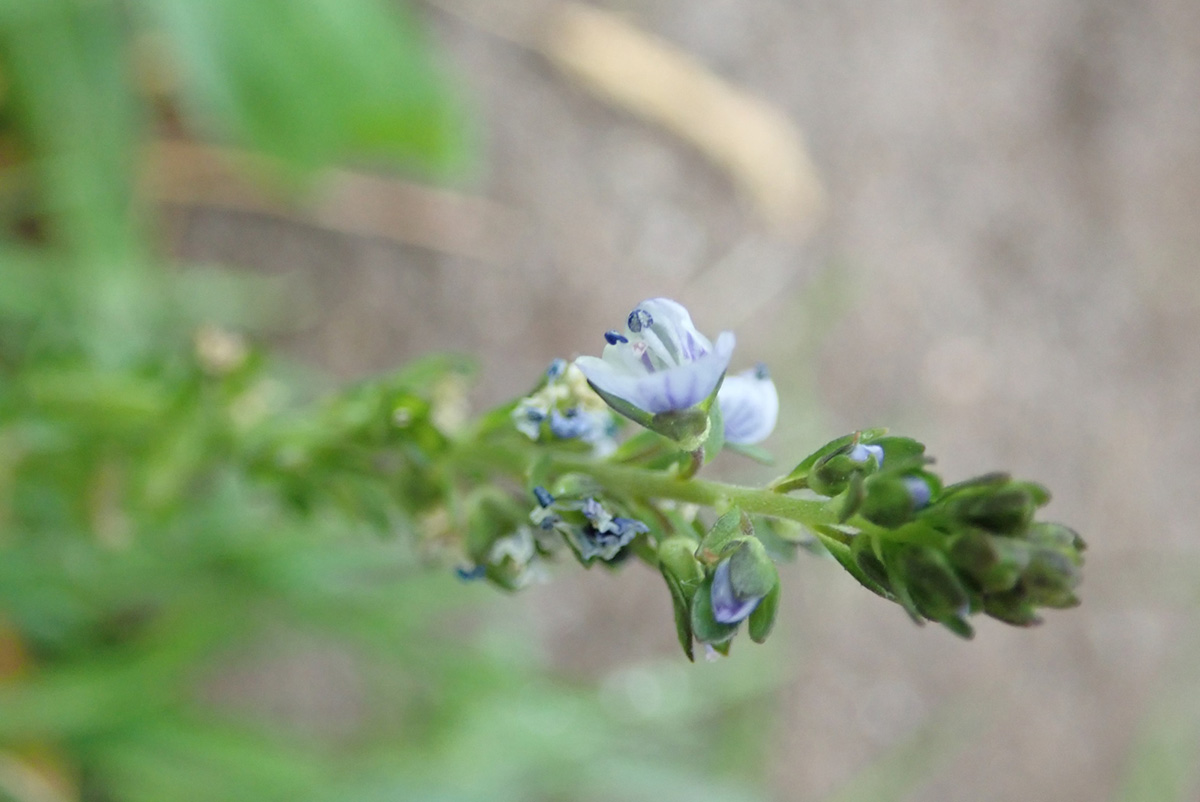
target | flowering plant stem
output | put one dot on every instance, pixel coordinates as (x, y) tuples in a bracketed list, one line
[(640, 482), (646, 483)]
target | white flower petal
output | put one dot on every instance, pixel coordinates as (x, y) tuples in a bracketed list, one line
[(749, 407), (661, 363), (666, 390), (672, 321)]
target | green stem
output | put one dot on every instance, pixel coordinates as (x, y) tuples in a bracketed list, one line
[(641, 483), (514, 458)]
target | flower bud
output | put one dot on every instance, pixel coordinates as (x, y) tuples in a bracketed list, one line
[(1051, 578), (752, 573), (934, 587), (734, 590), (1056, 536), (831, 473), (892, 501), (874, 570), (995, 503), (993, 563), (1011, 607)]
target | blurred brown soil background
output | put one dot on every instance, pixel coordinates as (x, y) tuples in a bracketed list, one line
[(1005, 268)]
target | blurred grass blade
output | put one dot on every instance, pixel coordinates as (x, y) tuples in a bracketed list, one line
[(310, 82)]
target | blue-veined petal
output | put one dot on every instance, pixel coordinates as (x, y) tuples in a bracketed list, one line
[(726, 606), (749, 406)]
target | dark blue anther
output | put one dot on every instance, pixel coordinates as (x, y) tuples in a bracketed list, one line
[(556, 369), (761, 372), (639, 319), (613, 336), (543, 496), (472, 573)]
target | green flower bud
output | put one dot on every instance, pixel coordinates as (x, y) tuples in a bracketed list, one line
[(1057, 536), (892, 501), (799, 476), (875, 570), (995, 503), (831, 473), (933, 585), (1011, 607), (993, 563), (1051, 578)]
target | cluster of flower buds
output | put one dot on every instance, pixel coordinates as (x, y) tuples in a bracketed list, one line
[(944, 553), (718, 582)]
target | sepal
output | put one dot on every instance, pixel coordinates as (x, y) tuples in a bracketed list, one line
[(733, 524), (799, 476), (762, 620), (705, 627)]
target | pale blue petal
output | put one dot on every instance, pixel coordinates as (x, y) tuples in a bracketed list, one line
[(674, 328), (668, 390), (749, 407), (726, 606)]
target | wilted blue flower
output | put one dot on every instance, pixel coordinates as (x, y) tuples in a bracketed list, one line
[(727, 606), (591, 529), (749, 406), (660, 362), (517, 558)]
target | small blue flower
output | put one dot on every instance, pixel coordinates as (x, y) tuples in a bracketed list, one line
[(749, 406), (727, 606), (660, 363)]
